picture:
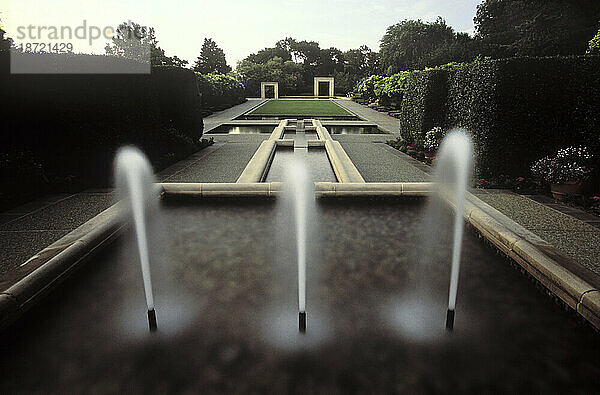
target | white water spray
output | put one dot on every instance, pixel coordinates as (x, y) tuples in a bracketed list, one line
[(135, 185), (301, 187), (453, 169)]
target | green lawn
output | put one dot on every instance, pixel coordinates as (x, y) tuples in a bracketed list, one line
[(300, 107)]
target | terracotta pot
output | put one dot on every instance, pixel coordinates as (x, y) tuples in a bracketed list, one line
[(567, 188)]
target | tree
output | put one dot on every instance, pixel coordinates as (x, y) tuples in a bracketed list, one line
[(137, 42), (288, 73), (5, 41), (211, 59), (416, 44), (509, 28), (264, 55), (360, 62), (594, 45)]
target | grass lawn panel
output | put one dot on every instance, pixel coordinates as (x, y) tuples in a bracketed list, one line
[(300, 107)]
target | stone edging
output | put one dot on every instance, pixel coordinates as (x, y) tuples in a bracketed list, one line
[(343, 167), (273, 189), (576, 286), (256, 170), (48, 268)]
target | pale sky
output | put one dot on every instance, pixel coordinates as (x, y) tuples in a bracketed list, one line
[(240, 27)]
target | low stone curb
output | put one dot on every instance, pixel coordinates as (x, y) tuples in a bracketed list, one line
[(273, 189), (575, 285), (343, 167), (47, 269), (258, 167), (256, 170)]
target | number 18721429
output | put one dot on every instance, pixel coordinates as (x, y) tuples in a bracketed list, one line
[(46, 47)]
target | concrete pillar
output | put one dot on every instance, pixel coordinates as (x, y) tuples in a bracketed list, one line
[(329, 80), (263, 88)]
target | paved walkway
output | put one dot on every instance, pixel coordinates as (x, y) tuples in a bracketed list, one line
[(384, 121), (576, 238), (221, 117)]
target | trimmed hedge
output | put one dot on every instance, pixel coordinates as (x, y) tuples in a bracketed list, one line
[(423, 104), (517, 110), (220, 91), (60, 131), (522, 109)]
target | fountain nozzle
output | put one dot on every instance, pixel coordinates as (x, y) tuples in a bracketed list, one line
[(152, 320), (302, 321), (450, 320)]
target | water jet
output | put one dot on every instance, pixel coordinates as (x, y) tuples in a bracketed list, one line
[(135, 186), (453, 171), (301, 189)]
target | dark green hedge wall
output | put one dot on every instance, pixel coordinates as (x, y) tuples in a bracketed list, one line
[(519, 110), (60, 132), (219, 91), (423, 104)]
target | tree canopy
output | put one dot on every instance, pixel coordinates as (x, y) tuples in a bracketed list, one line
[(137, 42), (5, 41), (508, 28), (296, 62), (288, 73), (411, 44), (211, 59)]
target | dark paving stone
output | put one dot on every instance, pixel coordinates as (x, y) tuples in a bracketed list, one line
[(377, 164), (66, 214), (18, 247), (362, 138), (583, 247), (575, 238), (37, 204), (224, 164), (178, 167), (389, 124), (533, 215), (4, 218)]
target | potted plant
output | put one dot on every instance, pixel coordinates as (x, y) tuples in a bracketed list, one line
[(566, 172), (432, 142)]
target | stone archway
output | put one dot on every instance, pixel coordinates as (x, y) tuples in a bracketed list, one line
[(330, 80), (263, 86)]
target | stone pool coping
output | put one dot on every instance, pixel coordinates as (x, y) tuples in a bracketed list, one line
[(257, 168), (576, 286)]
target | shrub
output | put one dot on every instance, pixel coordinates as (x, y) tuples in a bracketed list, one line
[(390, 90), (365, 88), (220, 91), (387, 91), (179, 100), (594, 45), (433, 139), (572, 163)]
